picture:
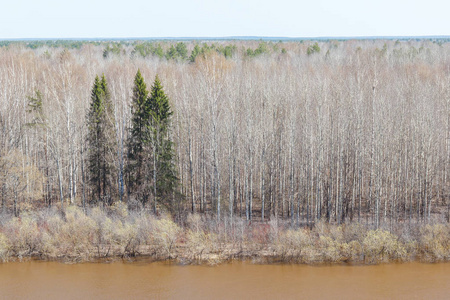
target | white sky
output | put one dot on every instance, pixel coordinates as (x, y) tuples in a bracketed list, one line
[(202, 18)]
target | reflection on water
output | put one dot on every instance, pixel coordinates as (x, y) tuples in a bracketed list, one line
[(142, 280)]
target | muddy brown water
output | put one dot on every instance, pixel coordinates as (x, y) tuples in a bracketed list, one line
[(237, 280)]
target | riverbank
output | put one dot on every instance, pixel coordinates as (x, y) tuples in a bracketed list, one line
[(75, 236)]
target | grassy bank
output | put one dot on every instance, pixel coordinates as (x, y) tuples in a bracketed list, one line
[(116, 233)]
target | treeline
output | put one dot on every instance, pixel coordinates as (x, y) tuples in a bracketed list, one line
[(166, 50), (335, 131)]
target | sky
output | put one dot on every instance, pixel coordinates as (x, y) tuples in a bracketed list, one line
[(224, 18)]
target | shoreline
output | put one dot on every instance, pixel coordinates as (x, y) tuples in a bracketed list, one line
[(212, 261), (77, 236), (181, 258)]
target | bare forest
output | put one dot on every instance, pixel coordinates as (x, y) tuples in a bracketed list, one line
[(301, 132)]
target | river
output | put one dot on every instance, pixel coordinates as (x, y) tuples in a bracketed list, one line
[(238, 280)]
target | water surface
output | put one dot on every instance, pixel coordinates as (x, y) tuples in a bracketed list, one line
[(243, 280)]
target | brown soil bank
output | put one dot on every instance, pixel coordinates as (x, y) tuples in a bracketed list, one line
[(78, 236)]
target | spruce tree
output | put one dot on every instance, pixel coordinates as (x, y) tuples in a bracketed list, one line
[(101, 142), (150, 168), (163, 167), (181, 50), (195, 52), (137, 156)]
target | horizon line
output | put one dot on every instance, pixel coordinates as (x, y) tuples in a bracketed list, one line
[(243, 37)]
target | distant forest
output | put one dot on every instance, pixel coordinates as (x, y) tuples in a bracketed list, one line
[(337, 131)]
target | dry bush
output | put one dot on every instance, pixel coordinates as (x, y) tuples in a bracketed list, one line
[(353, 232), (332, 250), (234, 232), (145, 227), (200, 242), (338, 243), (4, 218), (77, 236), (382, 246), (126, 237), (5, 248), (238, 231), (119, 210), (25, 207), (334, 244), (24, 236), (434, 242), (165, 235), (355, 251), (103, 234), (335, 232), (133, 233), (195, 222), (321, 228), (296, 246), (409, 235), (274, 229), (231, 237), (259, 236), (70, 238)]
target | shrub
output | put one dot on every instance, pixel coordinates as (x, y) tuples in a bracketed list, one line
[(332, 250), (296, 245), (145, 228), (24, 236), (199, 242), (126, 237), (103, 233), (353, 232), (382, 246), (5, 247), (355, 250), (435, 242), (71, 238), (165, 235), (338, 243), (120, 210), (195, 222)]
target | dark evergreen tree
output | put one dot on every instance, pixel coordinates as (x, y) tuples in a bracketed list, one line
[(181, 50), (164, 175), (172, 53), (196, 51), (101, 142), (159, 51), (150, 168), (35, 108), (137, 140)]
